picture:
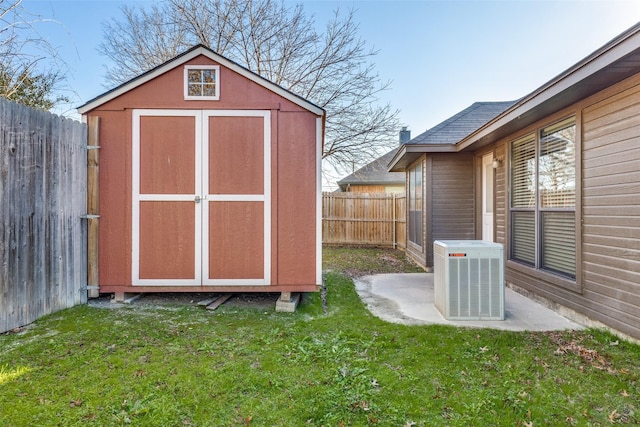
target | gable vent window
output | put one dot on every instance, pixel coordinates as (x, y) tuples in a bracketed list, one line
[(543, 190), (202, 82)]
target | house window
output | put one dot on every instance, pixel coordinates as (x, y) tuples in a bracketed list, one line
[(543, 199), (202, 82), (415, 204)]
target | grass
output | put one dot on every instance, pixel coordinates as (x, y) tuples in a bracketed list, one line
[(241, 366)]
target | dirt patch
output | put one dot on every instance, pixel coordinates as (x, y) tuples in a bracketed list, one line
[(358, 262), (259, 301)]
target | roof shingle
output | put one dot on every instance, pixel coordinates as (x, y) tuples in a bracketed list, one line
[(461, 125), (375, 173)]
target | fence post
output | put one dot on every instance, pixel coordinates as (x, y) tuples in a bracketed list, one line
[(393, 201), (93, 168)]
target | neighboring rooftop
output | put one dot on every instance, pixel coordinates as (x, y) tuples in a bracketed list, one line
[(463, 124), (374, 173)]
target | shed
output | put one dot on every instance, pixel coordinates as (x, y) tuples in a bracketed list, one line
[(209, 181)]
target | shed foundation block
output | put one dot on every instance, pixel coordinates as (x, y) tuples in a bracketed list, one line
[(288, 302), (125, 297)]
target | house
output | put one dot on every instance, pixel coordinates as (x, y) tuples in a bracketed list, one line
[(440, 200), (554, 177), (374, 177), (209, 181)]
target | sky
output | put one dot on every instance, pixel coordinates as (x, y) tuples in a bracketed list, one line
[(440, 56)]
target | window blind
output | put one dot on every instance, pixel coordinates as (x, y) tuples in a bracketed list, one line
[(523, 172), (558, 242), (523, 229)]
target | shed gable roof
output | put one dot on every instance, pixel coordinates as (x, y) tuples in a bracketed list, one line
[(187, 56), (375, 173)]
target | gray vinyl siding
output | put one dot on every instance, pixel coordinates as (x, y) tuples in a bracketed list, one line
[(448, 207), (452, 187), (607, 286), (611, 207)]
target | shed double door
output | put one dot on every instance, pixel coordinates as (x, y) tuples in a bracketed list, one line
[(201, 197)]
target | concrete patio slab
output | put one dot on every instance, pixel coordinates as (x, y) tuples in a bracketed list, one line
[(408, 299)]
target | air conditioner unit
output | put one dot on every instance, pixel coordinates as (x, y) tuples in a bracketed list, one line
[(469, 279)]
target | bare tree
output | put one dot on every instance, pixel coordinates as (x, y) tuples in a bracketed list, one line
[(332, 68), (29, 72)]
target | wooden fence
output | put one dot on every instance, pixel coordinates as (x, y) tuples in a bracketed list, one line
[(43, 162), (373, 219)]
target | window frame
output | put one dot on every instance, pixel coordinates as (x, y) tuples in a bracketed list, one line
[(537, 210), (188, 97), (412, 199)]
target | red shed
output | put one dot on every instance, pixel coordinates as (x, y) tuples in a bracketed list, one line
[(209, 181)]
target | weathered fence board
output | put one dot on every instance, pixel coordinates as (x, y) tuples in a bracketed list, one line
[(43, 195), (375, 219)]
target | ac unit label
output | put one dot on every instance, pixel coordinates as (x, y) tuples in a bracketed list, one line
[(457, 254)]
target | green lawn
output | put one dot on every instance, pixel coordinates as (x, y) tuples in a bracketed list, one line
[(247, 366)]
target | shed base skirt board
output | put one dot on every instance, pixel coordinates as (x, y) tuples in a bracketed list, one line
[(108, 289)]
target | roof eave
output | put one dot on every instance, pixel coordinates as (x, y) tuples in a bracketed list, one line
[(615, 50), (408, 153)]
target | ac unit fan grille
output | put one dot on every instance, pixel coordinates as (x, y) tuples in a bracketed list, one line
[(474, 287)]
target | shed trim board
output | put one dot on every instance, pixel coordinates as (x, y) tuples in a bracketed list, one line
[(319, 124), (202, 198), (487, 193)]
